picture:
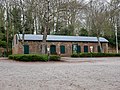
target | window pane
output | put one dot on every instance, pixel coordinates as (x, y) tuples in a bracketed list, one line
[(53, 49), (99, 49), (74, 48), (26, 49), (16, 39), (86, 49), (62, 49), (78, 49)]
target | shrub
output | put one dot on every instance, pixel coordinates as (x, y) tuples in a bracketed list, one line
[(54, 58), (95, 55), (75, 55), (33, 57), (28, 57)]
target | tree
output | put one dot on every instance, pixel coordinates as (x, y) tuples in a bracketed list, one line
[(67, 17), (115, 14), (83, 32), (98, 15)]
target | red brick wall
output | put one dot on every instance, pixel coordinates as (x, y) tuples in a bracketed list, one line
[(35, 47), (17, 46)]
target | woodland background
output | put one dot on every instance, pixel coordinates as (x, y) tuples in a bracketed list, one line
[(98, 18)]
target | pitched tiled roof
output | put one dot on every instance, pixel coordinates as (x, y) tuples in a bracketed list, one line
[(32, 37)]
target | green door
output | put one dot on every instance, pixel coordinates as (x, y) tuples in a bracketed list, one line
[(78, 49), (53, 49), (62, 49), (99, 49), (26, 49), (85, 49)]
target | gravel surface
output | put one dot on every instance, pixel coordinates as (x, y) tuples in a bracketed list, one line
[(99, 74)]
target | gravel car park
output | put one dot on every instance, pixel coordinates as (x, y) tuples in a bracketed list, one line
[(69, 74)]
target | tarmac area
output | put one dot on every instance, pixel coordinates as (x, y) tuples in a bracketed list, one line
[(68, 74)]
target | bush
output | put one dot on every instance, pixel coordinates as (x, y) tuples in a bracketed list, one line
[(75, 55), (2, 44), (54, 58), (28, 57), (33, 57), (95, 55)]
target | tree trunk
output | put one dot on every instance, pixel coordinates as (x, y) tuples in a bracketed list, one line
[(98, 38), (44, 44), (23, 37), (7, 41)]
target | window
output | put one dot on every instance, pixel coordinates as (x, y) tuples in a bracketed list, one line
[(46, 49), (78, 49), (26, 49), (62, 49), (53, 49), (91, 49), (74, 48), (99, 49), (85, 49), (16, 39)]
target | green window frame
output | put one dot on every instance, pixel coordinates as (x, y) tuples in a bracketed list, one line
[(86, 49), (74, 48), (16, 39), (99, 51), (78, 49), (62, 49), (52, 49), (26, 49)]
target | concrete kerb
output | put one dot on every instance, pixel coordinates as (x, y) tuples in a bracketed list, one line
[(3, 58), (70, 59)]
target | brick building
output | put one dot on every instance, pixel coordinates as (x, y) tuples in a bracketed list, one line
[(63, 45)]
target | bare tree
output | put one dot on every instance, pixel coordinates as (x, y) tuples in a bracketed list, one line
[(98, 15)]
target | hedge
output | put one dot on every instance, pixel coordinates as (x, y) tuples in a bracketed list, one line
[(95, 55), (33, 57), (54, 58)]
